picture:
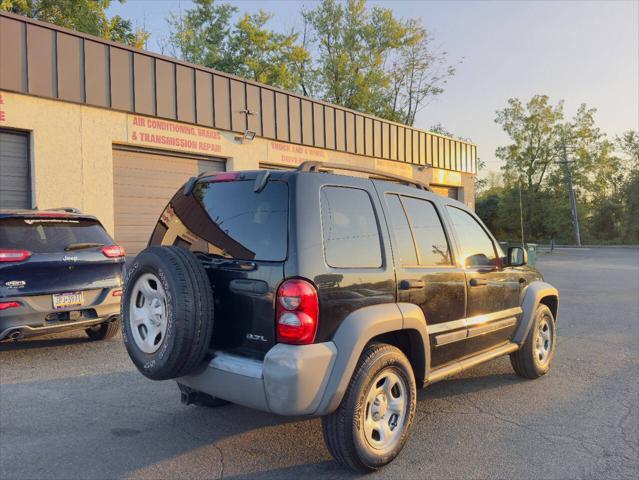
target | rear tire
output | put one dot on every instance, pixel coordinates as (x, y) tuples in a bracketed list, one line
[(167, 312), (372, 423), (534, 357), (103, 331)]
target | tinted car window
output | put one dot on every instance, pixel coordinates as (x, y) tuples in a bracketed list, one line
[(241, 223), (477, 248), (48, 235), (349, 228), (432, 245), (401, 231)]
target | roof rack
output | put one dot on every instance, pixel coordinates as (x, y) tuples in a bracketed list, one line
[(64, 209), (315, 166)]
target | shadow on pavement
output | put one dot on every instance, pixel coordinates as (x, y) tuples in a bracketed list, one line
[(42, 342)]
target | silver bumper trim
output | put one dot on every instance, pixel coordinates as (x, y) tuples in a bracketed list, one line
[(60, 327)]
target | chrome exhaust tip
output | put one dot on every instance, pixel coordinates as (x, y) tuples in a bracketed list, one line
[(15, 335)]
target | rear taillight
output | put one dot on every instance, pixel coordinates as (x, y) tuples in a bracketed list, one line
[(7, 305), (296, 312), (113, 251), (14, 255)]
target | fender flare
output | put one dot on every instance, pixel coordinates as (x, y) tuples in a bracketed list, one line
[(532, 296), (355, 331)]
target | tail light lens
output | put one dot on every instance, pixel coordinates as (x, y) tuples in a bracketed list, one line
[(7, 305), (297, 312), (14, 255), (113, 251)]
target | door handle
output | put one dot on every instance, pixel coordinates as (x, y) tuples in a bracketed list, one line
[(477, 282), (411, 284)]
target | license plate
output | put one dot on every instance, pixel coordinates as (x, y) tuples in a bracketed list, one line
[(66, 300)]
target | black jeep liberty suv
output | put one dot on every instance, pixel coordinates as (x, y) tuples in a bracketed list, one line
[(312, 293)]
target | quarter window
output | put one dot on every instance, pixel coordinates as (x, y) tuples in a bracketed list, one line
[(349, 229), (477, 249), (432, 246)]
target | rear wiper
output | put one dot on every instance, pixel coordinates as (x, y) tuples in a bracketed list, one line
[(80, 246)]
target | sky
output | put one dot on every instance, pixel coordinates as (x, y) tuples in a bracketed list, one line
[(579, 51)]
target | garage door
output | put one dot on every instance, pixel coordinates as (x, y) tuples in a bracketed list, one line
[(144, 182), (15, 182)]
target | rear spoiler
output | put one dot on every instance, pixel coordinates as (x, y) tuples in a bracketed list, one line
[(261, 178)]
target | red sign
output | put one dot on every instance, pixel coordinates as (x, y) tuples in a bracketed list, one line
[(3, 115), (163, 133)]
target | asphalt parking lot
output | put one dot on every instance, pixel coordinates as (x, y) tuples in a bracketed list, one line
[(74, 409)]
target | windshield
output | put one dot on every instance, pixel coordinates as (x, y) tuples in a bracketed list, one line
[(231, 220), (48, 235)]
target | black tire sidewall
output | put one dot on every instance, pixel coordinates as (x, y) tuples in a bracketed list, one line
[(389, 359), (103, 331), (541, 312), (160, 363)]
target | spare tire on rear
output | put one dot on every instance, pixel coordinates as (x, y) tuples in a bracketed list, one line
[(167, 312)]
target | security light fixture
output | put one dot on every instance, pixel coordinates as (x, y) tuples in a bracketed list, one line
[(248, 136)]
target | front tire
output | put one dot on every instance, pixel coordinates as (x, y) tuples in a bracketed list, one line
[(372, 423), (533, 359)]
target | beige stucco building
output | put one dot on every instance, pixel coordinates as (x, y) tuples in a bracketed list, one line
[(115, 131)]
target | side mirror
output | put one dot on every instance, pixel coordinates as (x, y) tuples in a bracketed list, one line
[(517, 257)]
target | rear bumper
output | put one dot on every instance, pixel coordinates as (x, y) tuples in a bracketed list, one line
[(36, 315), (22, 331), (290, 381)]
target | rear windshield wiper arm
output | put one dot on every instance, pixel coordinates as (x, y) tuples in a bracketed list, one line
[(80, 246)]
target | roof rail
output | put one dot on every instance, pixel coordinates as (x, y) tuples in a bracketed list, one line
[(315, 166), (64, 209)]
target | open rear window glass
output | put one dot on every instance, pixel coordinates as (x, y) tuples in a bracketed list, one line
[(48, 235), (231, 220)]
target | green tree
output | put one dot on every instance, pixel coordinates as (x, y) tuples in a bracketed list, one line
[(604, 174), (628, 145), (87, 16), (352, 45), (538, 131), (206, 35), (368, 60), (200, 35), (266, 56), (418, 74)]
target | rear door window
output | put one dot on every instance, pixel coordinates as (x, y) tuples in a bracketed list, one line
[(432, 245), (349, 228), (48, 235), (401, 231)]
